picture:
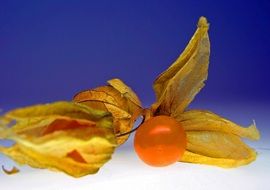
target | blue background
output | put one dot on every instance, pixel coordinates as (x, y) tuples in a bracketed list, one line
[(49, 50)]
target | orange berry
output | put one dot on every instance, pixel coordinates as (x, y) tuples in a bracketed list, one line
[(160, 141)]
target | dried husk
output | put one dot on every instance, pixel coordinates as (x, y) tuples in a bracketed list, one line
[(177, 86), (211, 139), (77, 140), (118, 99)]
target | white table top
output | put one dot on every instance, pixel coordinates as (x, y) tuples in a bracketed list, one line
[(126, 171)]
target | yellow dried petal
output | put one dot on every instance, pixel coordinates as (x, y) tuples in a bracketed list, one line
[(177, 86), (101, 94), (217, 145), (122, 121), (119, 100), (221, 162), (35, 158), (125, 91), (214, 140), (70, 109), (75, 146), (200, 120)]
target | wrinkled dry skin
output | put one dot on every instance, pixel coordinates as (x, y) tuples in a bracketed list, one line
[(62, 136), (216, 141), (118, 99), (201, 120), (177, 86)]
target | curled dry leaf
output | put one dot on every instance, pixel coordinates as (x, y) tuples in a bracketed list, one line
[(118, 99), (220, 146), (217, 139), (177, 86), (63, 136), (192, 157), (13, 170), (200, 120), (125, 91), (211, 139)]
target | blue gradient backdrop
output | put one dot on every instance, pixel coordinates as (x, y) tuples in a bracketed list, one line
[(50, 50)]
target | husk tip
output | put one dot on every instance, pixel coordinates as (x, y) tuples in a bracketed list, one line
[(114, 80), (254, 131), (203, 22)]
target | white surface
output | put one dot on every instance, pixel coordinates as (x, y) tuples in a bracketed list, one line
[(126, 171)]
